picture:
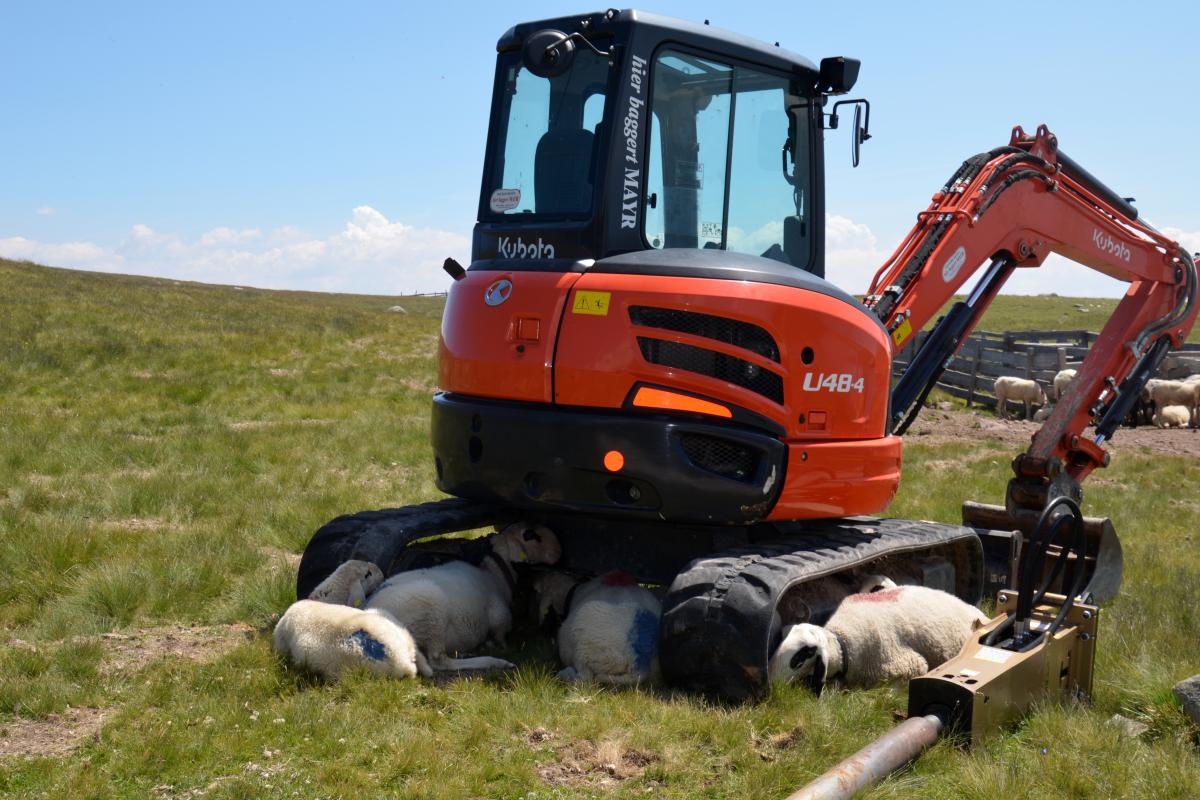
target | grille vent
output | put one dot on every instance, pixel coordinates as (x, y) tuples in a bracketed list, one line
[(713, 364), (730, 331), (725, 458)]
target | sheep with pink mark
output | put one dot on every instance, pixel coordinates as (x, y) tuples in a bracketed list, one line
[(899, 632)]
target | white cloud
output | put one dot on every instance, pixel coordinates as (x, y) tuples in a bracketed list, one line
[(83, 254), (852, 254), (370, 254), (220, 236), (46, 211)]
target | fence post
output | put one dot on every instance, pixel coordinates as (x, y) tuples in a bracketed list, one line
[(1029, 362), (1062, 358), (974, 376)]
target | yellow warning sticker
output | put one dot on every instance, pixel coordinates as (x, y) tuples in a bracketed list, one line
[(902, 332), (594, 303)]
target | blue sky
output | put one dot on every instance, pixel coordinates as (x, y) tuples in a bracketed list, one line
[(339, 147)]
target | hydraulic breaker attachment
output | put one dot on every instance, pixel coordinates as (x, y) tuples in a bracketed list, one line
[(987, 687)]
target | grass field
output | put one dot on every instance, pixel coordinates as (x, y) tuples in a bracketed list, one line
[(165, 451)]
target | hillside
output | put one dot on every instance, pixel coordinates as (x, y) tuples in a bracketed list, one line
[(167, 448)]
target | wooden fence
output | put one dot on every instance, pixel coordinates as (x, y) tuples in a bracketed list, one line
[(1039, 355)]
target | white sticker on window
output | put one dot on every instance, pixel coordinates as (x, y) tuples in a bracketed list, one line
[(504, 200), (710, 231)]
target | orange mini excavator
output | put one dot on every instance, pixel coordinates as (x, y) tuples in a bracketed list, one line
[(644, 355)]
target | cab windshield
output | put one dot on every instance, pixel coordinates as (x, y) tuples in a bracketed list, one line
[(729, 162), (544, 155)]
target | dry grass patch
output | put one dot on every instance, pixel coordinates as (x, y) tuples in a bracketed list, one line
[(55, 736), (585, 763)]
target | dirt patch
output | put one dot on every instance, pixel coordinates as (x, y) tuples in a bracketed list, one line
[(937, 427), (588, 764), (135, 648), (56, 735)]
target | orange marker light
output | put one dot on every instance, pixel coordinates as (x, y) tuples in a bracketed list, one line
[(613, 461), (647, 397)]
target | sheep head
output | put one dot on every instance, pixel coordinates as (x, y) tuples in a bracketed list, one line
[(875, 583), (552, 589), (349, 584), (804, 655), (523, 542)]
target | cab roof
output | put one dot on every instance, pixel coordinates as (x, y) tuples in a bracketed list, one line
[(602, 25)]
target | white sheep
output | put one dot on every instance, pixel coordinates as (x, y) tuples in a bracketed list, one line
[(609, 629), (1061, 381), (871, 638), (456, 607), (328, 638), (1173, 417), (1019, 390), (1174, 393), (349, 584)]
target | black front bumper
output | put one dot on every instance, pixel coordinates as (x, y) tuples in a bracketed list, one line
[(542, 456)]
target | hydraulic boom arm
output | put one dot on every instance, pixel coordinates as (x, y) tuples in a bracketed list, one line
[(1009, 208)]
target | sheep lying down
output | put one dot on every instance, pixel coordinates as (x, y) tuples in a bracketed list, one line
[(456, 607), (329, 639), (609, 629), (872, 638)]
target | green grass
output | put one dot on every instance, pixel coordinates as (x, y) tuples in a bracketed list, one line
[(163, 446)]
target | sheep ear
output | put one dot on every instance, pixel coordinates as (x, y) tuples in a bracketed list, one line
[(816, 678)]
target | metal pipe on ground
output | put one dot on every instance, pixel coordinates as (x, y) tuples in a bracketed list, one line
[(876, 761)]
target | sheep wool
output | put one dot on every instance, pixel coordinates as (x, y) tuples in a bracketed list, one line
[(872, 638), (1061, 381), (610, 631), (456, 607), (328, 639), (1020, 390), (1173, 417)]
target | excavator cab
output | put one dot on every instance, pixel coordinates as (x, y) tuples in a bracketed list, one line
[(626, 131), (646, 288)]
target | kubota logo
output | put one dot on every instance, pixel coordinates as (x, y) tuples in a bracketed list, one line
[(508, 248), (498, 292), (1113, 247)]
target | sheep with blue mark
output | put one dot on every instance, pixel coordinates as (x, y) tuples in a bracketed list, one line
[(328, 639), (609, 627)]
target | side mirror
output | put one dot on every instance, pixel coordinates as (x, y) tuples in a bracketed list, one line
[(859, 132), (548, 53), (858, 135)]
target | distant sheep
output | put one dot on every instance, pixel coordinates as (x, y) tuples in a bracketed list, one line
[(349, 584), (609, 629), (1019, 390), (328, 639), (1173, 417), (895, 633), (1061, 381), (456, 607), (1174, 393)]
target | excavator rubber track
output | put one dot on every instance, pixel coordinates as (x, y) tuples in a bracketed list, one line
[(719, 617), (722, 612)]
